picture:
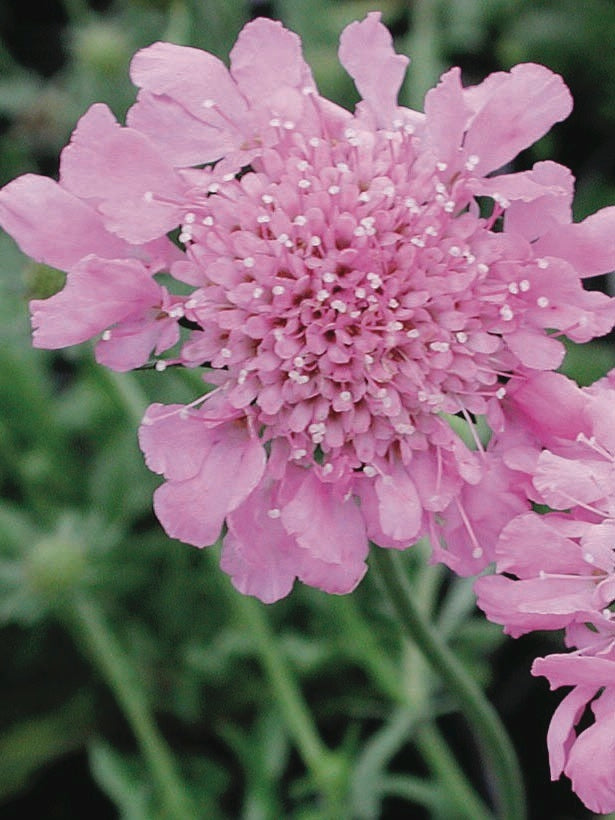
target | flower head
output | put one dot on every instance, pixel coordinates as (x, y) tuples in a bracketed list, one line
[(348, 293)]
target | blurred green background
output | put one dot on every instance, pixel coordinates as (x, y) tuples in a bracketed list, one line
[(87, 577)]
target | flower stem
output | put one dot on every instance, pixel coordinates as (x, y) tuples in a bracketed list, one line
[(384, 674), (326, 767), (103, 647), (498, 752)]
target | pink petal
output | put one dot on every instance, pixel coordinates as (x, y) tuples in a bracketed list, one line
[(575, 670), (400, 509), (536, 350), (513, 111), (54, 226), (181, 138), (536, 217), (194, 79), (175, 441), (121, 170), (589, 245), (332, 533), (193, 510), (561, 735), (446, 116), (268, 56), (591, 761), (366, 52), (265, 566), (130, 343), (98, 293)]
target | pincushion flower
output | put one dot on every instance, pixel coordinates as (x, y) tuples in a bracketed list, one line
[(587, 757), (557, 570), (348, 292)]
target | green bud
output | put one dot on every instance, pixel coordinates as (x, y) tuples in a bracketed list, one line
[(55, 566)]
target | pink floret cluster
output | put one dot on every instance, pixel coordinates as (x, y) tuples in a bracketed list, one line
[(557, 570), (354, 287)]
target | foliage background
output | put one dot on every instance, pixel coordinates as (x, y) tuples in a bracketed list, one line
[(75, 496)]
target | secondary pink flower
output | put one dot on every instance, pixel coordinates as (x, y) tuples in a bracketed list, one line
[(586, 757), (348, 294)]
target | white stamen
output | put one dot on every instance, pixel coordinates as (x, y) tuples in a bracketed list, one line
[(300, 221), (322, 295), (439, 347), (524, 285), (248, 262), (208, 103), (304, 183), (345, 395), (370, 471), (461, 337), (106, 335), (257, 292), (329, 277), (338, 305), (506, 313), (274, 512), (542, 302), (542, 263), (278, 290), (226, 353), (333, 189), (208, 221), (160, 365)]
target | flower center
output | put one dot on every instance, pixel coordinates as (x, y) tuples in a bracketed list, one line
[(344, 292)]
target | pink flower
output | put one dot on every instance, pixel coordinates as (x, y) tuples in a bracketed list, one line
[(348, 296), (557, 570), (587, 758)]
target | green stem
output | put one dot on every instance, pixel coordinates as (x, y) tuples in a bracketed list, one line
[(498, 752), (326, 768), (93, 630), (427, 737)]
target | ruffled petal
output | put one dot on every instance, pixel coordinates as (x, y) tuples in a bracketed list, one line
[(366, 52), (121, 171), (512, 111), (36, 210), (98, 293)]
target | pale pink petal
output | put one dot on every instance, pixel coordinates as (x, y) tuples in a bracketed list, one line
[(515, 111), (277, 53), (181, 138), (197, 80), (54, 226), (557, 553), (265, 567), (575, 670), (98, 293), (561, 735), (535, 217), (366, 52), (400, 509), (554, 407), (174, 440), (121, 171), (193, 510), (446, 116), (589, 245), (536, 350), (591, 760), (331, 531), (129, 344), (564, 482)]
